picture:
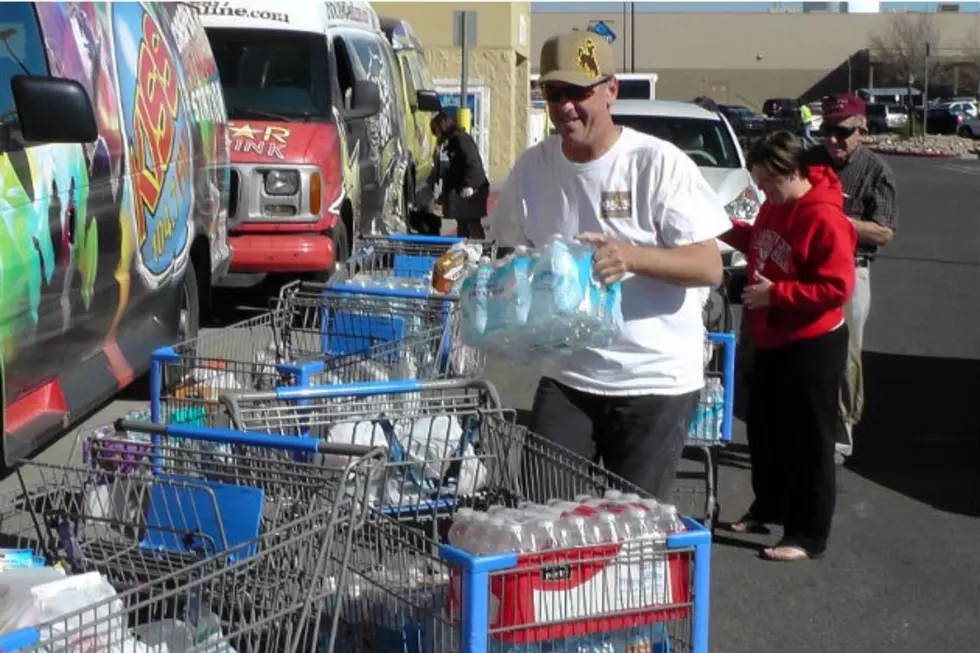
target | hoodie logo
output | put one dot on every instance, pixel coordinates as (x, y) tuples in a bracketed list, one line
[(770, 246)]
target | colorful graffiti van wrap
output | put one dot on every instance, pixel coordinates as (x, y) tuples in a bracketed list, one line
[(99, 241)]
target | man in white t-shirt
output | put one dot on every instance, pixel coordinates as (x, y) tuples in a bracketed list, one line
[(654, 220)]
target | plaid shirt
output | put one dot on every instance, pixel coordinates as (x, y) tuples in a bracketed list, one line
[(869, 191)]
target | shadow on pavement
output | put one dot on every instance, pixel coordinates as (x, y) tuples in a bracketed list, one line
[(920, 434)]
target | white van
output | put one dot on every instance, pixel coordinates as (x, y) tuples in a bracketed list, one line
[(317, 120)]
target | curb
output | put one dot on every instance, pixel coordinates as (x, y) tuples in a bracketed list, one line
[(924, 155)]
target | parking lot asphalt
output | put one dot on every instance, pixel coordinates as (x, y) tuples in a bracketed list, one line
[(903, 570)]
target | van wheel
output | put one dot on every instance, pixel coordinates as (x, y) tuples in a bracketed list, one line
[(189, 320), (341, 247)]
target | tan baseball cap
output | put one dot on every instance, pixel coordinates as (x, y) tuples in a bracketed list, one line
[(578, 57)]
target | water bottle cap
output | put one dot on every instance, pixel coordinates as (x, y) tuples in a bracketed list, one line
[(579, 498), (631, 496), (613, 494), (607, 517)]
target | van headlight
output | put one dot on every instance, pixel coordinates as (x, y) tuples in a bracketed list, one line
[(281, 182), (746, 205)]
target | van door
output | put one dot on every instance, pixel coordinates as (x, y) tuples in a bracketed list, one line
[(42, 188), (355, 130), (371, 60), (98, 272)]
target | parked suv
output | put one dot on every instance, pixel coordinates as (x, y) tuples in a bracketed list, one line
[(884, 118)]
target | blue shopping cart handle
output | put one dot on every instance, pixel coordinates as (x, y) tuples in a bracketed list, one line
[(20, 639), (230, 436), (418, 238)]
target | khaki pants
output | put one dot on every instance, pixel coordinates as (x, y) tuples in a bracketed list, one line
[(852, 385)]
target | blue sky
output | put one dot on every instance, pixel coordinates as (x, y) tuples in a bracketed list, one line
[(717, 6)]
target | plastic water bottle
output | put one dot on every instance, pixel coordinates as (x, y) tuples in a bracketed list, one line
[(474, 296), (473, 537), (572, 531), (509, 296), (457, 532), (717, 392), (633, 524), (605, 529)]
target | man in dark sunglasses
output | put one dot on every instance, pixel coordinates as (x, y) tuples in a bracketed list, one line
[(653, 220), (870, 202)]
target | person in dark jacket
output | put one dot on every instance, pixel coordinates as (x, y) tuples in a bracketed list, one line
[(800, 252), (465, 187)]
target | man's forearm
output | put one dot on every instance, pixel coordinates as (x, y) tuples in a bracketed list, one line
[(872, 233), (692, 265)]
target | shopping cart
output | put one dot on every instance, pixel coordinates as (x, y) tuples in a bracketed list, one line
[(380, 318), (711, 428), (313, 336), (406, 593), (427, 427), (271, 593), (139, 509), (403, 256)]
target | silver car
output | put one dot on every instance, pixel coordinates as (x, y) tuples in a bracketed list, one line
[(710, 141)]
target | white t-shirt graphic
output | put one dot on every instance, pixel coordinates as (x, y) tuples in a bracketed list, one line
[(644, 191)]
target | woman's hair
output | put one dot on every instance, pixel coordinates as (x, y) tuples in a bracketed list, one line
[(782, 153), (443, 124)]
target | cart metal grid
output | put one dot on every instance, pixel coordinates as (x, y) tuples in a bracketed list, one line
[(257, 542), (139, 510), (311, 337), (405, 256), (276, 595), (407, 592)]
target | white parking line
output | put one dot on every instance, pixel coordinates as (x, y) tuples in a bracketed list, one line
[(962, 169)]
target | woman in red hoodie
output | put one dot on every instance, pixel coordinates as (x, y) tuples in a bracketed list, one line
[(800, 254)]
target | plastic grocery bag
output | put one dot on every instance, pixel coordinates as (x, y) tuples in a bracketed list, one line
[(83, 614)]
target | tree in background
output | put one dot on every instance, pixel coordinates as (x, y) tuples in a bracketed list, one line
[(901, 49), (971, 56)]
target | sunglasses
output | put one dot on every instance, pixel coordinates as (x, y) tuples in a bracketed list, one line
[(837, 132), (553, 93)]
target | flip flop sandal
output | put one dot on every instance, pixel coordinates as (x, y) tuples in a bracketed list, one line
[(748, 525), (795, 553)]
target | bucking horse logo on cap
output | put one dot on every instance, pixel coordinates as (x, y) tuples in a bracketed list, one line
[(587, 61)]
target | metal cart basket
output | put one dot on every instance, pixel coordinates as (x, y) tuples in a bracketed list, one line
[(314, 336)]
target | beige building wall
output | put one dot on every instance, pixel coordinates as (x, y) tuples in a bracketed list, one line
[(748, 57), (499, 60)]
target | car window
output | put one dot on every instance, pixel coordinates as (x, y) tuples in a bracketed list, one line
[(410, 83), (282, 74), (418, 78), (706, 141), (21, 51)]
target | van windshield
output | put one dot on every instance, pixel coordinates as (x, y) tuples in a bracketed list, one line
[(272, 75)]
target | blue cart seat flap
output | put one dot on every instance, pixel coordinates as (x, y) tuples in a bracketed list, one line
[(191, 505), (346, 332), (413, 267)]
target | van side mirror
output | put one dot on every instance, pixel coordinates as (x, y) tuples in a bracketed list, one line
[(53, 110), (428, 101), (365, 100)]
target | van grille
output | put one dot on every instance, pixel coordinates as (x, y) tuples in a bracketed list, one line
[(233, 193)]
